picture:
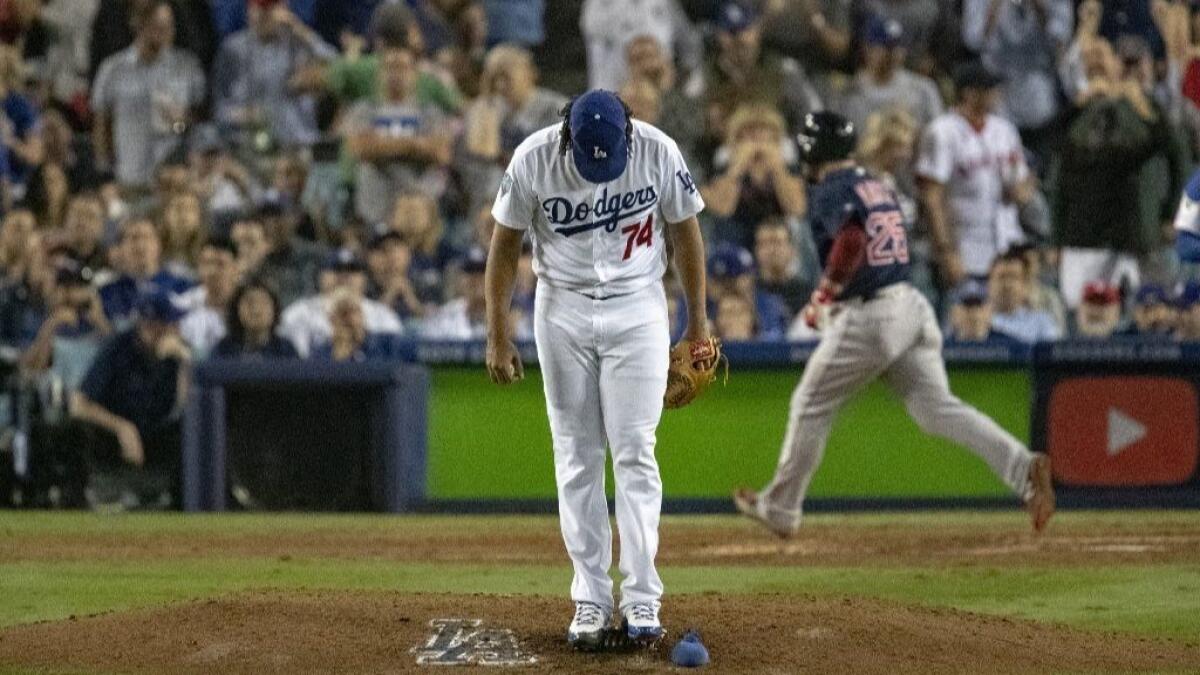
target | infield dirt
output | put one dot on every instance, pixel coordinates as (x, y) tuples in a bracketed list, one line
[(358, 632), (684, 541), (277, 630)]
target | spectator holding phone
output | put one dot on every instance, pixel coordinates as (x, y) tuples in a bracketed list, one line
[(75, 312)]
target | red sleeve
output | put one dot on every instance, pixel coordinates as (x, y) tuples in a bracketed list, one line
[(846, 256)]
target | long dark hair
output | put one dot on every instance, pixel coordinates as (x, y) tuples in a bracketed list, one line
[(233, 320), (564, 133)]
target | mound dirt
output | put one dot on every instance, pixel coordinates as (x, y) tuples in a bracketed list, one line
[(378, 632)]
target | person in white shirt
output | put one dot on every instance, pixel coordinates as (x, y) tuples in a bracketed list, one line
[(1012, 311), (463, 318), (973, 179), (1022, 40), (400, 143), (306, 321), (598, 195), (510, 107), (610, 25), (883, 83), (204, 325)]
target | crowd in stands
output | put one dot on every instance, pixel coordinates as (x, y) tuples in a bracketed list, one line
[(182, 179)]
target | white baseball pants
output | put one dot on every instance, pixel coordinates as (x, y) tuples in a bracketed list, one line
[(604, 363), (895, 336)]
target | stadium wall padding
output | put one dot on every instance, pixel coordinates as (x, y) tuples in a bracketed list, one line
[(491, 443)]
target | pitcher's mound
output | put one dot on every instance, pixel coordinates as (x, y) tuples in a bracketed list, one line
[(382, 632)]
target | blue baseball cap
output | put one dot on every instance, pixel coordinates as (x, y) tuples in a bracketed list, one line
[(1152, 294), (343, 260), (475, 261), (730, 260), (975, 75), (690, 651), (735, 17), (971, 293), (1190, 295), (271, 205), (883, 32), (71, 272), (158, 305), (598, 142)]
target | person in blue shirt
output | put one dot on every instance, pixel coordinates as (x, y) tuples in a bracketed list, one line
[(23, 292), (252, 79), (229, 16), (971, 318), (1012, 312), (1119, 18), (1155, 313), (389, 261), (416, 219), (129, 404), (140, 250), (516, 21), (1187, 328), (75, 313), (731, 270), (20, 128), (332, 18)]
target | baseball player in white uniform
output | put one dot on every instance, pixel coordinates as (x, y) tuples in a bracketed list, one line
[(974, 178), (598, 195), (873, 324)]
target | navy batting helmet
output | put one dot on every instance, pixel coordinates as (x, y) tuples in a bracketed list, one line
[(826, 137)]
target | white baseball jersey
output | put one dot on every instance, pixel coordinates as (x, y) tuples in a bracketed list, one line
[(603, 358), (601, 240), (977, 166), (609, 26)]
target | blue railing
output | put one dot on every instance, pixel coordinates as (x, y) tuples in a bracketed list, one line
[(741, 354), (789, 354)]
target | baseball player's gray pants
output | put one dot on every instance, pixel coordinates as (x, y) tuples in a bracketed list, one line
[(604, 364), (896, 336)]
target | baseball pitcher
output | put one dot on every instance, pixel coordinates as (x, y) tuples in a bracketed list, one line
[(873, 324), (598, 195)]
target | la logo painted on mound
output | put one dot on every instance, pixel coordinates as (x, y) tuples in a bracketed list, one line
[(459, 642), (1124, 431)]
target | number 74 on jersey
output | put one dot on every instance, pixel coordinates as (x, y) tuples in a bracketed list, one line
[(639, 234)]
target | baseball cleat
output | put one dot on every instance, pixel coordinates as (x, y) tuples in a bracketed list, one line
[(588, 626), (1040, 502), (746, 501), (641, 622)]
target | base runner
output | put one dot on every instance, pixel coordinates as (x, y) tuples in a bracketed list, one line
[(873, 324), (598, 195)]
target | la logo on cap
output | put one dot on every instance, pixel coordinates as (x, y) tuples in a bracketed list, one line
[(598, 153)]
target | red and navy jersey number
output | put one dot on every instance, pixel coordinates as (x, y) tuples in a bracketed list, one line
[(854, 195)]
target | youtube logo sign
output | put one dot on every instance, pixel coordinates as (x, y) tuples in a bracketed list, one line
[(1123, 431)]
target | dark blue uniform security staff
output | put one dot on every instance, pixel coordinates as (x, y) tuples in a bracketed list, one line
[(873, 325)]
